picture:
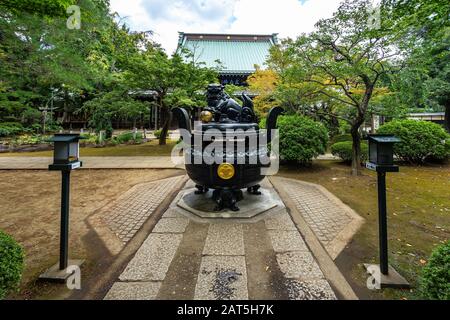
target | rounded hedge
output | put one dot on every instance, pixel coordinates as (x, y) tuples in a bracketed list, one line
[(421, 140), (11, 264), (301, 138), (435, 280), (344, 150)]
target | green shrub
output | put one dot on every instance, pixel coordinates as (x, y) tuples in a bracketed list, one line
[(10, 129), (421, 140), (89, 138), (35, 128), (301, 138), (435, 280), (30, 139), (11, 264), (341, 138), (344, 150), (127, 137), (53, 126)]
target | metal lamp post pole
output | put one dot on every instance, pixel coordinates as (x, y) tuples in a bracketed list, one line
[(64, 232), (382, 223)]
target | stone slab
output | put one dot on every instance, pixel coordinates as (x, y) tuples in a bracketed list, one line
[(280, 221), (299, 264), (54, 274), (171, 225), (392, 280), (309, 290), (172, 213), (222, 278), (283, 241), (251, 206), (133, 291), (153, 258), (224, 239)]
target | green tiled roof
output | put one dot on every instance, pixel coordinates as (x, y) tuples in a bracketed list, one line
[(236, 56)]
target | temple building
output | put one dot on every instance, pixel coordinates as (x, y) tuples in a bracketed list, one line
[(236, 55)]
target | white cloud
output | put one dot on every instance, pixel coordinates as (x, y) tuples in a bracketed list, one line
[(289, 18)]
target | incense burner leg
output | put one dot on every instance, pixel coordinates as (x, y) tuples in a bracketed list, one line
[(201, 189), (254, 189), (227, 199)]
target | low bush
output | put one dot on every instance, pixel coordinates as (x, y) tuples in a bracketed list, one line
[(301, 138), (421, 140), (11, 264), (127, 137), (344, 150), (53, 127), (435, 278), (30, 139), (88, 138), (10, 129)]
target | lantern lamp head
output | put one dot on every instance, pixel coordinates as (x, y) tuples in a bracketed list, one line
[(66, 149), (381, 149)]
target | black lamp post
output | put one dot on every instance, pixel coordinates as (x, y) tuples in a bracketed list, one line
[(65, 159), (381, 160)]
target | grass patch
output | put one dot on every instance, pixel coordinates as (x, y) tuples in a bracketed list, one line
[(418, 217), (151, 148)]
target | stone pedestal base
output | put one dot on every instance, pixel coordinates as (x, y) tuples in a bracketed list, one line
[(202, 205), (56, 275), (392, 280)]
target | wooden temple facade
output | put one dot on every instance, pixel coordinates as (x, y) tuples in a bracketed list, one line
[(235, 55)]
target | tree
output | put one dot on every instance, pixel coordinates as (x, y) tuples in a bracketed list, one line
[(264, 83), (425, 33), (41, 59), (43, 7), (342, 62), (176, 80)]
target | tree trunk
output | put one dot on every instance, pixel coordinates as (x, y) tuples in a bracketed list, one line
[(165, 119), (447, 117), (356, 148), (359, 120), (66, 107)]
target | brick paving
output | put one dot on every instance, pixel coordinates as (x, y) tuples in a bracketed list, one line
[(126, 215)]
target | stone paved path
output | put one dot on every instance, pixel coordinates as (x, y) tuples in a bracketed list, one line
[(332, 221), (150, 162), (232, 259)]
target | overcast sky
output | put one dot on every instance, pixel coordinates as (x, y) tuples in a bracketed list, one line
[(166, 17)]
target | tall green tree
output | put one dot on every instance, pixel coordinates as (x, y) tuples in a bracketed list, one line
[(342, 63), (43, 60), (177, 81), (424, 27)]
